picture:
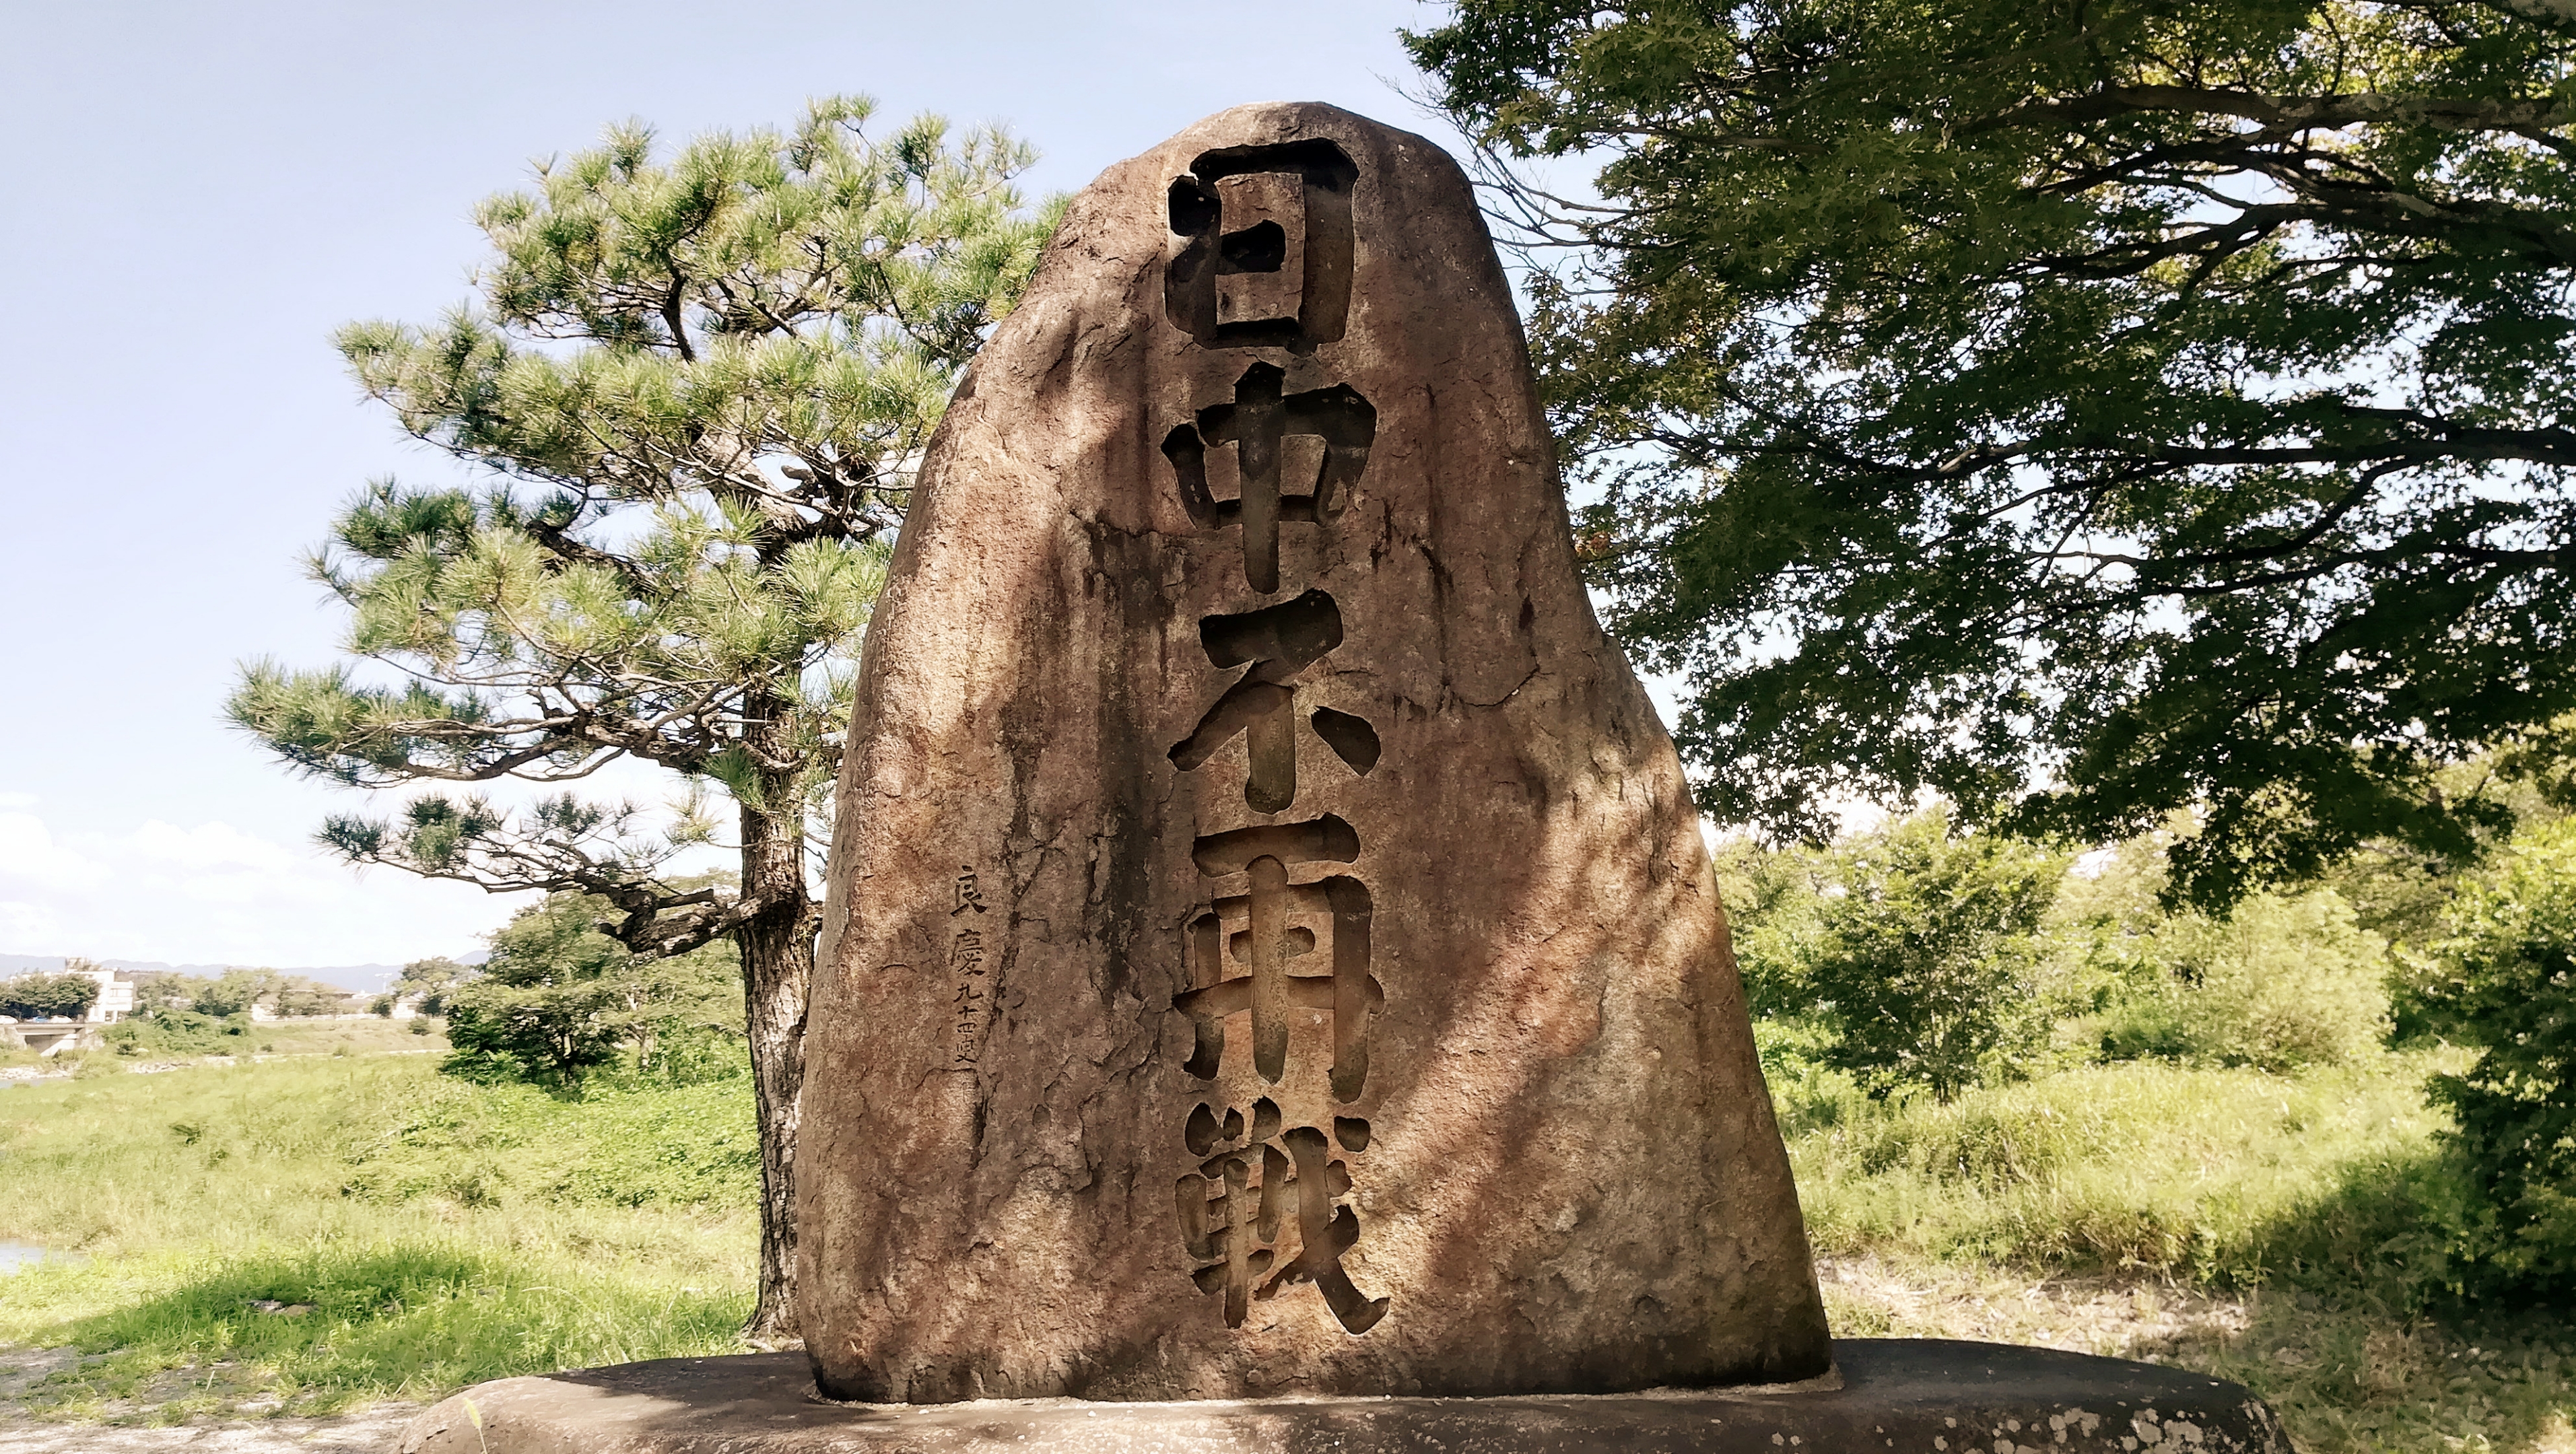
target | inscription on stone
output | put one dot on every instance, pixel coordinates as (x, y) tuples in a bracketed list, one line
[(1245, 1207), (973, 1000), (1234, 220), (1311, 974)]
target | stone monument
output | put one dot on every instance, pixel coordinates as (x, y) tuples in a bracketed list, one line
[(1274, 993), (1272, 947)]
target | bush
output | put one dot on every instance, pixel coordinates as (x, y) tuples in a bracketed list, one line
[(179, 1032), (2507, 986), (2235, 1177), (1930, 961), (2281, 983)]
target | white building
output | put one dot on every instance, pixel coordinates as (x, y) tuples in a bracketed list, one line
[(115, 995)]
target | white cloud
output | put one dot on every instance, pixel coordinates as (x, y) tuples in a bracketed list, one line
[(29, 855), (212, 893), (208, 846)]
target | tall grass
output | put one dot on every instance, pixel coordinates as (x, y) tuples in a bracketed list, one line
[(2313, 1200), (431, 1233), (2233, 1177)]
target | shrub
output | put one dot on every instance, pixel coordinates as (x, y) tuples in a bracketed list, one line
[(2281, 983), (179, 1032), (2507, 987), (1930, 961)]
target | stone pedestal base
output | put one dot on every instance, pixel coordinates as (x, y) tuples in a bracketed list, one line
[(1919, 1396)]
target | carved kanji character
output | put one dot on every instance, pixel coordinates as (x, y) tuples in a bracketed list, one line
[(1255, 423)]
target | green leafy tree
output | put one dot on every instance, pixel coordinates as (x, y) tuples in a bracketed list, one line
[(559, 999), (1776, 902), (2080, 410), (691, 391), (156, 990), (430, 981), (2509, 990), (1929, 963), (234, 992), (45, 996), (296, 995)]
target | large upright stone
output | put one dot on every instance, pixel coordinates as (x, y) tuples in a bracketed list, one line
[(1270, 947)]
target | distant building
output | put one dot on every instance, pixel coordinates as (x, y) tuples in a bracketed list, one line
[(115, 995)]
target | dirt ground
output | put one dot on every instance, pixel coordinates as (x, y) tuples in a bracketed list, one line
[(2104, 1316), (372, 1432)]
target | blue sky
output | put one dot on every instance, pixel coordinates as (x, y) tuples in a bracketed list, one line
[(199, 194)]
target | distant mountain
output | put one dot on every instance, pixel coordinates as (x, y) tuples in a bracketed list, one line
[(360, 978)]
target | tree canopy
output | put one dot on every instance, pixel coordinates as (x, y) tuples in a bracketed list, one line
[(689, 395), (47, 996), (427, 983), (2078, 411), (1927, 957), (558, 999)]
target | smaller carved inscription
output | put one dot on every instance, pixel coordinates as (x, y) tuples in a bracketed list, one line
[(972, 1003)]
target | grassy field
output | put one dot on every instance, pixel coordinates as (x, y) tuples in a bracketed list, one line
[(433, 1233), (313, 1232)]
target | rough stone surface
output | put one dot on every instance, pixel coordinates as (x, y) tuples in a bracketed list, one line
[(1921, 1396), (1270, 947)]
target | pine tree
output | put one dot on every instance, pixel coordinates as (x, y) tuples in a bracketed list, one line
[(690, 392)]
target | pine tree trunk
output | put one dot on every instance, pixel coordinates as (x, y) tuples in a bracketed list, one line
[(777, 949)]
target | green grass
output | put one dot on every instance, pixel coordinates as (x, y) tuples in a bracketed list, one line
[(2266, 1228), (2227, 1176), (442, 1233), (2285, 1215), (370, 1036)]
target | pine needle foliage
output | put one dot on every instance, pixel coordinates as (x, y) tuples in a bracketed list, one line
[(689, 393)]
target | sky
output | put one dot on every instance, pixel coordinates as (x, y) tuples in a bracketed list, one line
[(200, 194)]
